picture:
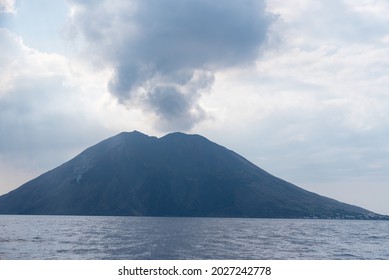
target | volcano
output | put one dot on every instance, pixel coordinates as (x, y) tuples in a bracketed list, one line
[(132, 174)]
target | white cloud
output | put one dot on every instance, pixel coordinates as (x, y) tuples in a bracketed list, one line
[(7, 6)]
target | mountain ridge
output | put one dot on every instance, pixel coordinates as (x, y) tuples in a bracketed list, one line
[(134, 174)]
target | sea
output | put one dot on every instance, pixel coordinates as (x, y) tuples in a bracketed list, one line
[(167, 238)]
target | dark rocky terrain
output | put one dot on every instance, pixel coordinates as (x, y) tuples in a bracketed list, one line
[(175, 175)]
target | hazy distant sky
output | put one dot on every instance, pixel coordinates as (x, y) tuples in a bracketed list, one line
[(300, 88)]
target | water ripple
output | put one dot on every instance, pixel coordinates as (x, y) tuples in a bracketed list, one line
[(67, 237)]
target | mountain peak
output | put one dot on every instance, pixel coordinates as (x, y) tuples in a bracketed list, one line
[(134, 133), (183, 136), (171, 135), (129, 136)]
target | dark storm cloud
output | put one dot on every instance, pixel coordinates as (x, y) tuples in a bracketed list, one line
[(159, 50)]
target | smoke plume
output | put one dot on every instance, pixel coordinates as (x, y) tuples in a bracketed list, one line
[(164, 54)]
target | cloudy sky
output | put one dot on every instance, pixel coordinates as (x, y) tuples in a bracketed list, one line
[(300, 88)]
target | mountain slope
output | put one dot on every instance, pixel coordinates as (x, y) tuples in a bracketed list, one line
[(176, 175)]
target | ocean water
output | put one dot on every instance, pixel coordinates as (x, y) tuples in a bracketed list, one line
[(75, 237)]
